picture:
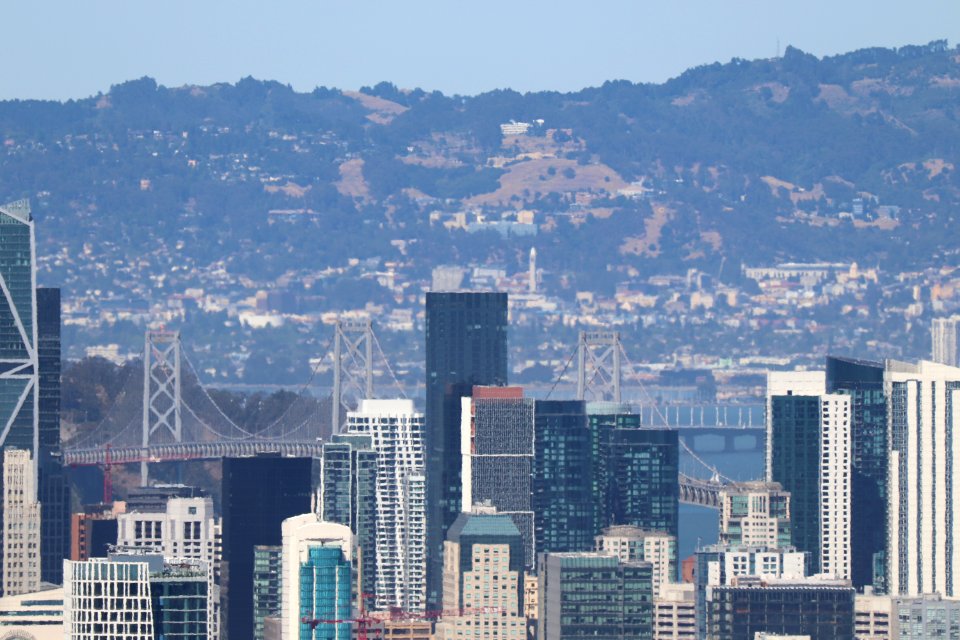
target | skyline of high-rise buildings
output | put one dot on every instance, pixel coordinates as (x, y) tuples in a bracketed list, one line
[(585, 491)]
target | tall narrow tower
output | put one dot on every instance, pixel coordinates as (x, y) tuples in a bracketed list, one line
[(532, 285), (19, 427), (466, 345)]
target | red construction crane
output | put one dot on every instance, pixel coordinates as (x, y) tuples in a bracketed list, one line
[(365, 621)]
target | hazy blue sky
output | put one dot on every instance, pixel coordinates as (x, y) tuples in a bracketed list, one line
[(70, 48)]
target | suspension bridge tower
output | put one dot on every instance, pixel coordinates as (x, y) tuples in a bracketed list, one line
[(598, 365), (161, 393), (353, 345)]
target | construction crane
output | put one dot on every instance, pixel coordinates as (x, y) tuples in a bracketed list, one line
[(365, 622), (109, 462)]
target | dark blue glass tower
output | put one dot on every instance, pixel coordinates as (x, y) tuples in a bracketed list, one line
[(862, 380), (636, 470), (564, 502), (53, 490), (259, 493), (466, 345)]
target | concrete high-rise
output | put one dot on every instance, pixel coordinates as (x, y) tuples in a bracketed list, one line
[(633, 543), (483, 573), (183, 527), (21, 547), (945, 339), (566, 513), (317, 579), (594, 595), (809, 450), (755, 514), (396, 434), (675, 612), (258, 494), (923, 520), (466, 345), (496, 446), (862, 380)]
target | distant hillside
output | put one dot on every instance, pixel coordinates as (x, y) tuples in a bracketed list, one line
[(846, 158)]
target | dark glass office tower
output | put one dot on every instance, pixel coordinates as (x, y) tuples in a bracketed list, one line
[(52, 487), (636, 470), (564, 503), (862, 380), (802, 609), (48, 355), (348, 495), (466, 345), (795, 457), (259, 493)]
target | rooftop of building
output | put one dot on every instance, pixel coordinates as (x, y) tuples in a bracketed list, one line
[(482, 524), (630, 531)]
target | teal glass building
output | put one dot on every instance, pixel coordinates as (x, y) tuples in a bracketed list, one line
[(325, 581)]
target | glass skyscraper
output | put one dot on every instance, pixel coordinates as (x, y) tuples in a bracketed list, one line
[(636, 470), (466, 345), (267, 589), (54, 492), (317, 568), (348, 495), (809, 453), (565, 508), (259, 493), (862, 380), (18, 330)]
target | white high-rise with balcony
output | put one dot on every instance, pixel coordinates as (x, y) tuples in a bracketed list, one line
[(923, 526), (396, 431)]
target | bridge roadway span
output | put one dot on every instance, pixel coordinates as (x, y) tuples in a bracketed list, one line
[(705, 493), (191, 451)]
